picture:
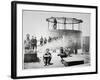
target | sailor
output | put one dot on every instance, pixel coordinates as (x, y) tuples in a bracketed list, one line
[(55, 24), (41, 41), (27, 42), (47, 58)]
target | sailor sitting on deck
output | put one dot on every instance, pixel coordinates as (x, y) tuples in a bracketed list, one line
[(47, 57), (62, 53)]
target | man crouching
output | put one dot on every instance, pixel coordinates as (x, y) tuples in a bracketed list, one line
[(47, 58)]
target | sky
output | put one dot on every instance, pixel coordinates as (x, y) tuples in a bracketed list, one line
[(34, 22)]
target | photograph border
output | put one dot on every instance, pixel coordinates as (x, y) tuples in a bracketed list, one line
[(14, 38)]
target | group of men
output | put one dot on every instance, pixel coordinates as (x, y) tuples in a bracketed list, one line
[(47, 56), (63, 53), (43, 41), (30, 43)]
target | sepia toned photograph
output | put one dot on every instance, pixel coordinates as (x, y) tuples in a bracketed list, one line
[(55, 39)]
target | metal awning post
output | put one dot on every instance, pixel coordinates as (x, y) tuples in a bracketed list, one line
[(64, 23), (48, 24), (72, 26), (79, 26)]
